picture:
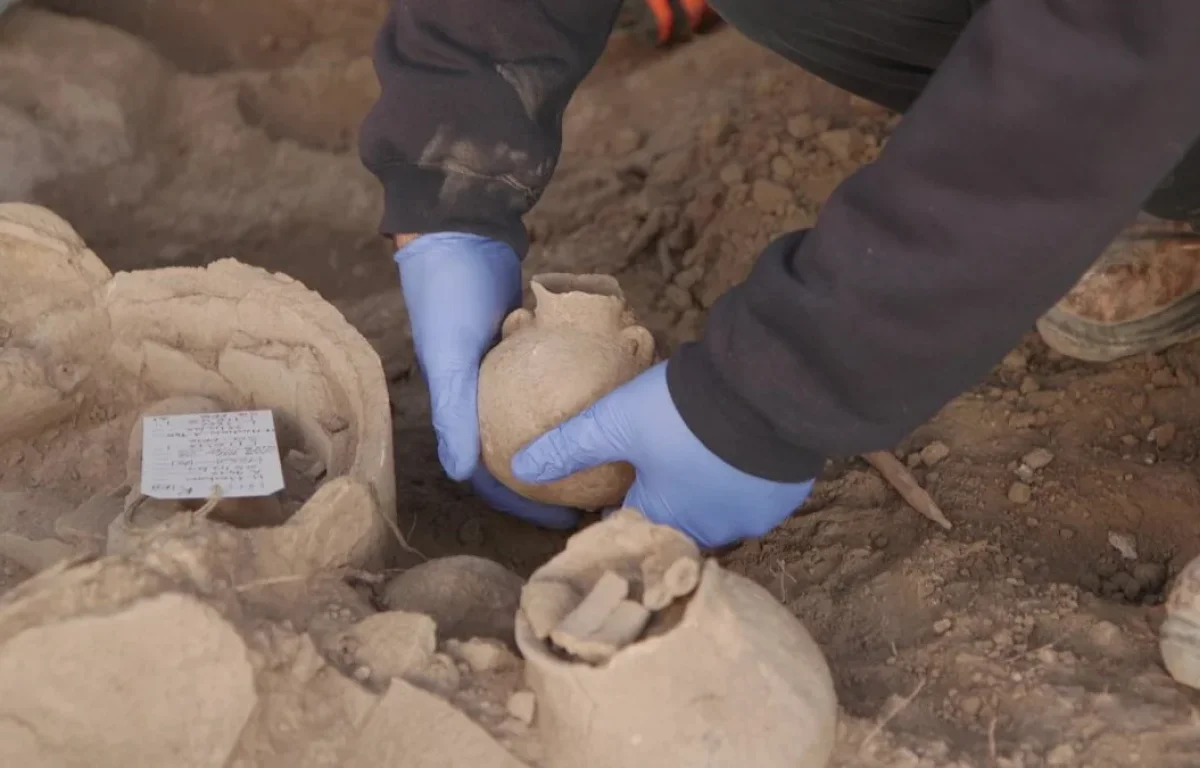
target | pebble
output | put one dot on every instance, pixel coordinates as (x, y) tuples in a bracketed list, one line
[(1037, 458), (1124, 543), (716, 129), (838, 143), (769, 195), (970, 705), (781, 168), (801, 126), (627, 140), (1163, 378), (480, 654), (1063, 754), (522, 705), (1015, 360), (1024, 473), (934, 453), (1029, 384), (1020, 493), (732, 174), (1162, 435), (942, 626)]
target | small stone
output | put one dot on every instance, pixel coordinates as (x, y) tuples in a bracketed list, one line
[(934, 453), (1020, 493), (1024, 473), (942, 626), (362, 673), (801, 126), (970, 705), (716, 129), (1063, 754), (1002, 638), (1066, 534), (1029, 384), (1129, 441), (1162, 435), (1032, 521), (1163, 378), (1124, 543), (1038, 458), (522, 706), (1015, 360), (732, 174), (769, 195), (781, 168), (481, 654), (626, 140), (677, 297), (838, 142)]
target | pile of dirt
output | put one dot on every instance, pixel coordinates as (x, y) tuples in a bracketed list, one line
[(1025, 636)]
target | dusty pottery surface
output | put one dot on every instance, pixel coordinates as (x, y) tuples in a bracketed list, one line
[(87, 354), (733, 680), (1180, 632), (578, 344)]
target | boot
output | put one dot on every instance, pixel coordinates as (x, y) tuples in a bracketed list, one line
[(1142, 295)]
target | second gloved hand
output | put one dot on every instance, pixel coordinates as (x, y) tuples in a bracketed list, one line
[(458, 288), (679, 481)]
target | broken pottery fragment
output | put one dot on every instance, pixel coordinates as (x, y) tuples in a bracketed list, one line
[(1179, 636), (580, 343), (467, 596), (734, 679)]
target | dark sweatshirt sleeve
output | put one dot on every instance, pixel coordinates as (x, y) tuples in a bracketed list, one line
[(467, 130), (1039, 137)]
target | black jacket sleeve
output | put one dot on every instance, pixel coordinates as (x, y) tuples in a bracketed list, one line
[(467, 131), (1039, 137)]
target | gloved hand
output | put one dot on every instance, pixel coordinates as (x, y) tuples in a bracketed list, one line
[(458, 288), (679, 481)]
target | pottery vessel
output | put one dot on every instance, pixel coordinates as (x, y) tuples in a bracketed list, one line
[(1179, 636), (728, 677), (578, 344)]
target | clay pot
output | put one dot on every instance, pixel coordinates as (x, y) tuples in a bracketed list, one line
[(580, 343), (724, 678), (1179, 636)]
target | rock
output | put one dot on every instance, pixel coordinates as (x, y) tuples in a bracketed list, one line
[(732, 174), (466, 596), (1162, 435), (522, 706), (1063, 754), (781, 168), (579, 344), (1020, 493), (481, 654), (801, 126), (392, 644), (1037, 459), (839, 143), (934, 453), (1016, 360), (1029, 385), (769, 196), (416, 729)]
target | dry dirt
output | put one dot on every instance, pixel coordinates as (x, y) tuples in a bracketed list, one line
[(1026, 636)]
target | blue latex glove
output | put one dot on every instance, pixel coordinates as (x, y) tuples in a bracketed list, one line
[(679, 481), (458, 289)]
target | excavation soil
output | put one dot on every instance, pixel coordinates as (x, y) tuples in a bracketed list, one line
[(1023, 637)]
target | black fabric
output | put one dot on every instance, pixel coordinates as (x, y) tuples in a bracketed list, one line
[(1034, 130)]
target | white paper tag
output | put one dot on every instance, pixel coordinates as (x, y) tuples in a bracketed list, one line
[(187, 456)]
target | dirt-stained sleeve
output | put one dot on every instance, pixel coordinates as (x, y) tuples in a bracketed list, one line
[(1040, 136), (467, 130)]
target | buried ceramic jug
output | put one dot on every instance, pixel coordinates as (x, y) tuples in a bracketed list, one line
[(578, 344)]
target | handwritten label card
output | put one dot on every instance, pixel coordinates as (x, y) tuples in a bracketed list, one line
[(185, 457)]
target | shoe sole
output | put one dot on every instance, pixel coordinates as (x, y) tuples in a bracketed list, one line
[(1096, 342)]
